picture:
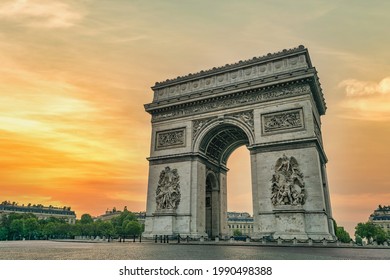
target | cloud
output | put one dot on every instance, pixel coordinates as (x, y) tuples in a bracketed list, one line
[(355, 87), (40, 13), (366, 100)]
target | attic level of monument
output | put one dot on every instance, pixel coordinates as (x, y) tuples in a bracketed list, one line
[(262, 79), (234, 66)]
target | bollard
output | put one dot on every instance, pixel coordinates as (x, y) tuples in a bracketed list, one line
[(161, 241), (178, 238), (188, 238), (167, 238), (155, 240)]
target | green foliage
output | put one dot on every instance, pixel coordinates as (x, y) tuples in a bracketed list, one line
[(18, 226), (86, 219), (237, 232), (31, 227), (343, 235), (372, 232), (381, 236), (358, 240), (17, 229), (132, 228), (3, 233)]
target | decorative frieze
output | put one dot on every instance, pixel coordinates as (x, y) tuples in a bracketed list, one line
[(234, 100), (287, 186), (168, 190), (170, 138), (282, 121), (231, 74)]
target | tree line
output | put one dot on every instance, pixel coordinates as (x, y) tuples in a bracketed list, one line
[(16, 226), (370, 231)]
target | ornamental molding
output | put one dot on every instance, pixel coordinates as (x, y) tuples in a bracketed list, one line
[(270, 64), (282, 121), (231, 101), (287, 186), (168, 190), (168, 139), (317, 130)]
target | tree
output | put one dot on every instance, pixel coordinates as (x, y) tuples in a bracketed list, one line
[(343, 235), (49, 230), (371, 231), (31, 226), (381, 236), (3, 233), (17, 228), (132, 228), (358, 240), (86, 219), (237, 232), (105, 229)]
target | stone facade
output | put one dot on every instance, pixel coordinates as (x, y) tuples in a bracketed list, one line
[(381, 217), (270, 104), (241, 221), (42, 212)]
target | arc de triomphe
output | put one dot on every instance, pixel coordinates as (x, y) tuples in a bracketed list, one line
[(272, 104)]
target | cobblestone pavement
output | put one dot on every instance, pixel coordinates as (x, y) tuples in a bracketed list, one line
[(54, 250)]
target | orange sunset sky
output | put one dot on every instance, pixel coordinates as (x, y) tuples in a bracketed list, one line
[(74, 75)]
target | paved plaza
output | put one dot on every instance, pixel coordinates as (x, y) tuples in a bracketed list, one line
[(53, 250)]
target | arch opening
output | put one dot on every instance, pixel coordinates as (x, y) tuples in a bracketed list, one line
[(221, 141), (217, 145)]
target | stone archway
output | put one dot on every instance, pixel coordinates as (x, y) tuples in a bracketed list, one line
[(216, 144), (271, 104)]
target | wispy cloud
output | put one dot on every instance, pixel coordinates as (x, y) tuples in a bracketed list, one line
[(40, 13), (366, 100), (362, 88)]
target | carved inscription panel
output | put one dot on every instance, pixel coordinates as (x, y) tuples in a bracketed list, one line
[(282, 121), (170, 139)]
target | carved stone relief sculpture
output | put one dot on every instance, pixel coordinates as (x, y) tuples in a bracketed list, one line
[(288, 187), (168, 190), (172, 138), (246, 117), (233, 101), (282, 121), (197, 126)]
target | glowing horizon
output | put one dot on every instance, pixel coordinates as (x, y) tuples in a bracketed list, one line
[(74, 77)]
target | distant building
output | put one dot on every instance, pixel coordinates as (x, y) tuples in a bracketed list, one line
[(241, 221), (110, 214), (381, 217), (42, 212)]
